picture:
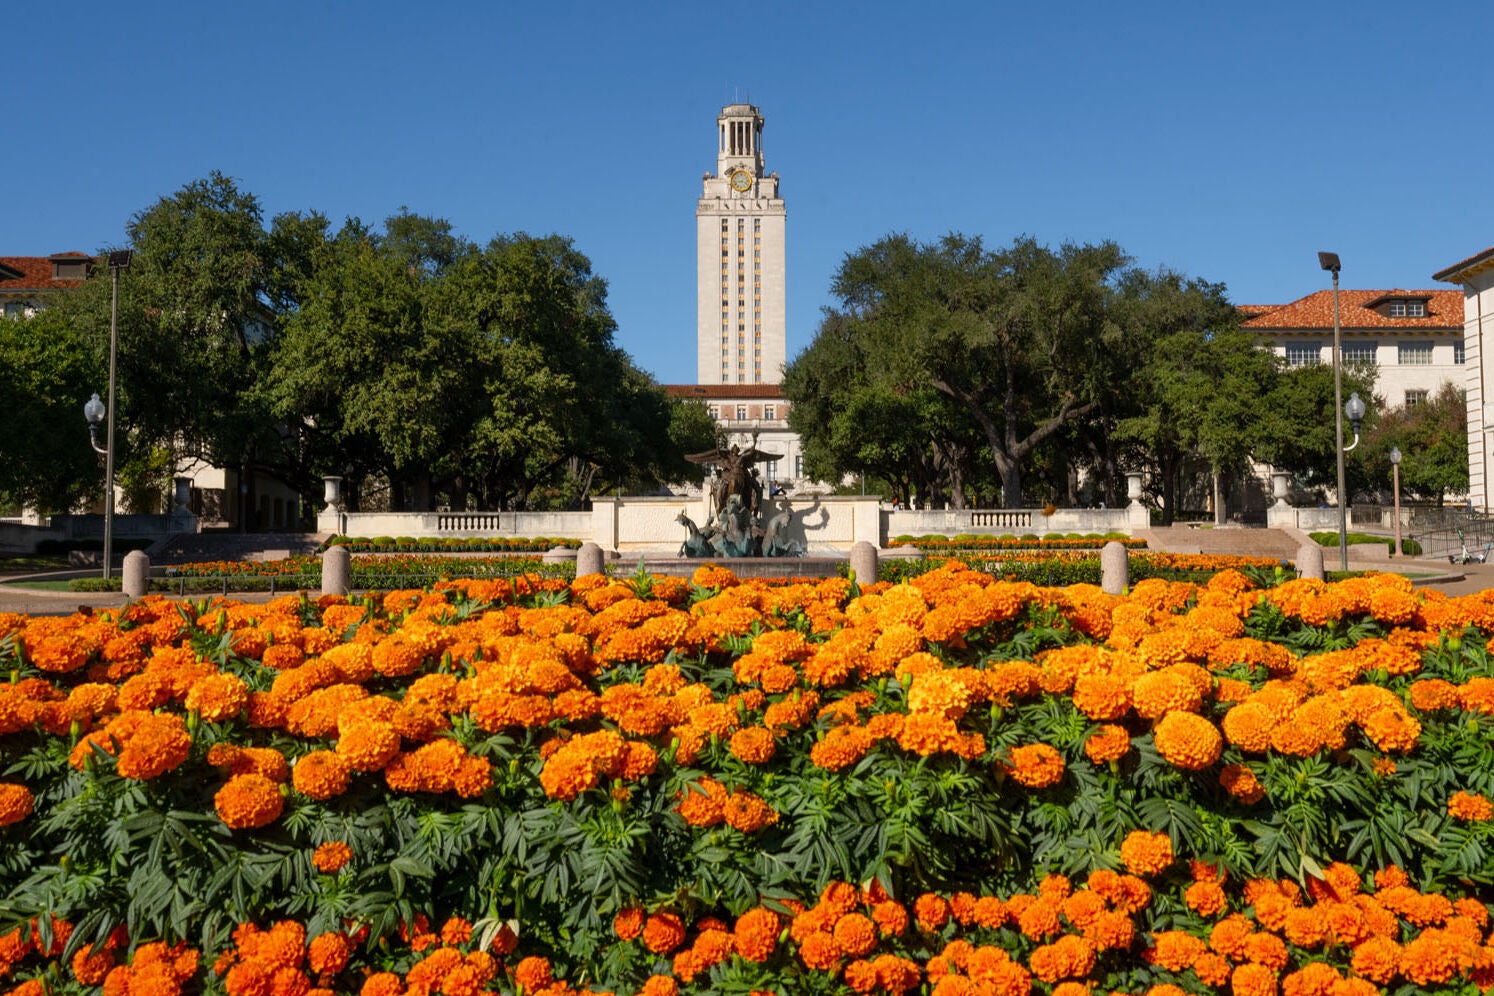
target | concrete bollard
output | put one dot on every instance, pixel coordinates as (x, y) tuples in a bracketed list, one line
[(1115, 568), (337, 571), (864, 562), (1310, 561), (134, 580), (559, 555), (590, 559)]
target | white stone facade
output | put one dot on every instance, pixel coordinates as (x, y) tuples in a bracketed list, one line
[(1476, 275), (741, 299)]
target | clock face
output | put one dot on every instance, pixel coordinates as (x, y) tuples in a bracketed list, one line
[(741, 180)]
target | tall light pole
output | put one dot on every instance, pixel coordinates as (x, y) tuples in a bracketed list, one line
[(118, 260), (1329, 261), (1395, 473)]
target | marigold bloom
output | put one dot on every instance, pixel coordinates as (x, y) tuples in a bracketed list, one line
[(321, 774), (1240, 782), (756, 934), (1253, 979), (1108, 742), (1187, 740), (819, 951), (217, 697), (248, 801), (1466, 806), (1145, 853), (1036, 765), (16, 803), (1069, 957), (533, 973), (331, 857), (1206, 897), (663, 932), (754, 745), (329, 952), (855, 934)]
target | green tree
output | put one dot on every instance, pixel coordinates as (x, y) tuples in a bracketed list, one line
[(1433, 440), (1019, 339), (47, 371)]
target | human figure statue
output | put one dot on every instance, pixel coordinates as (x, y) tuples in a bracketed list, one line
[(737, 476)]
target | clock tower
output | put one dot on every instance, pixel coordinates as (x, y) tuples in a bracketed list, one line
[(739, 221)]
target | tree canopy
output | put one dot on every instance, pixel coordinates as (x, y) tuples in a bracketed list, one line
[(417, 365)]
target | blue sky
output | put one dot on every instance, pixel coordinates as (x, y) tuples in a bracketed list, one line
[(1227, 141)]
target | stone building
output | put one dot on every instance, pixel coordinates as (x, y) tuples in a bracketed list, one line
[(1413, 338), (27, 281), (1476, 275)]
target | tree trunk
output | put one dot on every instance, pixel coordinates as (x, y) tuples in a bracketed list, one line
[(1220, 515)]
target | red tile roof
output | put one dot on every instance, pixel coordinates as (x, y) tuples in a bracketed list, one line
[(35, 272), (1315, 311), (713, 392)]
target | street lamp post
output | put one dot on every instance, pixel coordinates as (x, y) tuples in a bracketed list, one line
[(94, 411), (1329, 261), (1395, 474)]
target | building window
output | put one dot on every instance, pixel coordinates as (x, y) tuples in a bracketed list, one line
[(715, 413), (15, 310), (1414, 354), (1415, 398), (770, 412), (1303, 354), (1408, 309), (770, 470), (1360, 352), (741, 413), (1458, 355), (798, 465)]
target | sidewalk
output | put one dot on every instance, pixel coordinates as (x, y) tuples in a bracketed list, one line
[(1437, 575)]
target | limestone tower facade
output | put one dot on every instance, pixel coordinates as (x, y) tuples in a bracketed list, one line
[(739, 223)]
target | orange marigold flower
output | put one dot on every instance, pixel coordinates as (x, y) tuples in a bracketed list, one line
[(331, 857), (891, 917), (1249, 725), (1187, 740), (855, 934), (1253, 979), (628, 923), (1206, 897), (16, 803), (217, 697), (1036, 765), (90, 964), (754, 744), (1108, 742), (249, 801), (1240, 782), (1377, 959), (1110, 930), (931, 912), (329, 952), (1466, 806), (1174, 950), (1316, 978), (368, 745), (1069, 957), (756, 934), (1145, 853), (533, 973), (1040, 919), (1392, 730), (819, 951), (1265, 949), (321, 774), (663, 932)]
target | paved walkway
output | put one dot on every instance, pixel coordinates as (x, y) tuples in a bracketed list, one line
[(1460, 579)]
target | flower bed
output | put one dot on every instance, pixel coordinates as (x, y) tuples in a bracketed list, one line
[(977, 545), (441, 544), (955, 786), (369, 571)]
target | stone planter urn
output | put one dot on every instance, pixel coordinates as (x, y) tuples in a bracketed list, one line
[(183, 495), (331, 492), (1133, 486), (1280, 482)]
